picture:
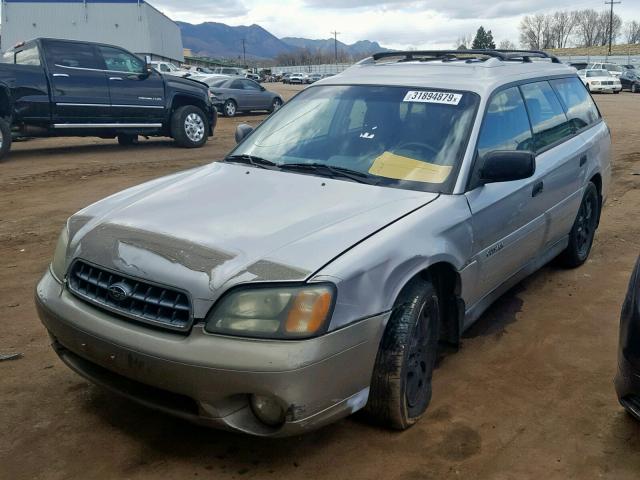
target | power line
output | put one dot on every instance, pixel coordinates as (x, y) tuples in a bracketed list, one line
[(244, 53), (335, 43), (612, 3)]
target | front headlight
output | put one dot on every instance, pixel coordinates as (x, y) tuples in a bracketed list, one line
[(59, 262), (273, 312)]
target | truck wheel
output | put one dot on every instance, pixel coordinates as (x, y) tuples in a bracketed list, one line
[(5, 138), (401, 382), (584, 229), (189, 126), (230, 108), (127, 139)]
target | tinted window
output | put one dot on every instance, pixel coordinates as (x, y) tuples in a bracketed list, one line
[(121, 61), (77, 55), (249, 85), (548, 121), (579, 106), (28, 56), (237, 84), (505, 125)]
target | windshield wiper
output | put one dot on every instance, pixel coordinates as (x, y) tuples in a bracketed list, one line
[(253, 160), (331, 171)]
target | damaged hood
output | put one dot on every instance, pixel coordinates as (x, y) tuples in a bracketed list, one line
[(213, 227)]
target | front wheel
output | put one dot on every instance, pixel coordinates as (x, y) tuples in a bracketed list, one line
[(5, 138), (584, 229), (189, 126), (401, 382), (276, 104)]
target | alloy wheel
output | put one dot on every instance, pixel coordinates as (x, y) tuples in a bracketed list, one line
[(194, 127)]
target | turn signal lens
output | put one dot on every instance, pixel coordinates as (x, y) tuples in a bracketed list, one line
[(308, 312)]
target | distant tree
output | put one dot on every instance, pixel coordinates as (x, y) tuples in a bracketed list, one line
[(464, 42), (507, 45), (632, 32), (483, 39)]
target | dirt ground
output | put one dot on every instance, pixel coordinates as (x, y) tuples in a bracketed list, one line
[(529, 395)]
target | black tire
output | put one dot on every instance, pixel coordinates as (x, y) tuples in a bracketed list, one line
[(5, 138), (634, 88), (616, 92), (276, 104), (583, 230), (401, 383), (126, 139), (230, 108), (189, 126)]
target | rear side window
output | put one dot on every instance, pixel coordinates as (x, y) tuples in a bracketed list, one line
[(548, 121), (580, 108), (28, 56), (506, 125), (76, 55)]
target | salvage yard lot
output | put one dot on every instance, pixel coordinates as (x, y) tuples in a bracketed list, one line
[(529, 394)]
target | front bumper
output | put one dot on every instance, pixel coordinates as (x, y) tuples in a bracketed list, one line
[(208, 379)]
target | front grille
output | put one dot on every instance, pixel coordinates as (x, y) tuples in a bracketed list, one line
[(130, 297), (606, 82)]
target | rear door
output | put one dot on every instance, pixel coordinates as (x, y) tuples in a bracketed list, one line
[(137, 96), (508, 218), (79, 87), (560, 155)]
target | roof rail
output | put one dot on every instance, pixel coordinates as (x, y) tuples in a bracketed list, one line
[(524, 56)]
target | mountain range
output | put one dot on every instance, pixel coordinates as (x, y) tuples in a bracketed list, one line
[(219, 40)]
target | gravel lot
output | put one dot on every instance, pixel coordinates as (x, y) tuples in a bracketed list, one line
[(529, 395)]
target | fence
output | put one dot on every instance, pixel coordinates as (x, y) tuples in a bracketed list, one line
[(332, 68)]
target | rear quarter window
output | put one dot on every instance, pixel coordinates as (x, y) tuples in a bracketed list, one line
[(580, 107)]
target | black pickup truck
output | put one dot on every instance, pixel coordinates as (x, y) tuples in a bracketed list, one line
[(51, 87)]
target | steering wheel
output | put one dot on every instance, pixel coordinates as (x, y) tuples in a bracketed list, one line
[(418, 147)]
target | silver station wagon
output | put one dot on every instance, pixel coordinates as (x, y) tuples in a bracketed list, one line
[(318, 268)]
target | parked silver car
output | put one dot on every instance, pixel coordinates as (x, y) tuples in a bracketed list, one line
[(315, 271), (233, 95)]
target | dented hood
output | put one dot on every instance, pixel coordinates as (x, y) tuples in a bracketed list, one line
[(213, 227)]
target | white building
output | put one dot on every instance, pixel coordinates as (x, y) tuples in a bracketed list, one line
[(132, 24)]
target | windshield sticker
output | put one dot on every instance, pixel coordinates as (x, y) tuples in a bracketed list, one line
[(446, 98), (398, 167)]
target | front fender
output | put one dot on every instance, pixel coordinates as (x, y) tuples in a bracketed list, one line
[(371, 275)]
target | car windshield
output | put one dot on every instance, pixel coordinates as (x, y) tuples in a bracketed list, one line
[(400, 137), (598, 73)]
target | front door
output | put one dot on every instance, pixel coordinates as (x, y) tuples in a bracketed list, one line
[(508, 218), (79, 87), (137, 96)]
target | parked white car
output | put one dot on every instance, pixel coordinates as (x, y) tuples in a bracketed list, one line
[(613, 68), (299, 78), (600, 81), (168, 68)]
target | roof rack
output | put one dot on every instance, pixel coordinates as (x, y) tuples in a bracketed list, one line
[(524, 56)]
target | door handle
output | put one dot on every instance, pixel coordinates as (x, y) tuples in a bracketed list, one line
[(60, 74), (537, 189), (115, 78), (583, 160)]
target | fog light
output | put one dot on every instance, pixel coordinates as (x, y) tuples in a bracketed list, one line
[(268, 410)]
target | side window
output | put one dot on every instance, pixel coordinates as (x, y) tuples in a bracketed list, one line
[(249, 85), (505, 125), (580, 108), (28, 56), (357, 115), (121, 61), (164, 68), (75, 55), (237, 85), (548, 121)]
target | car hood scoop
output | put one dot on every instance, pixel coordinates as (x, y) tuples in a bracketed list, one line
[(210, 228)]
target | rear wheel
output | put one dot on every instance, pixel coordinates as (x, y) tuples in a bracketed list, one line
[(189, 126), (5, 138), (634, 88), (127, 139), (401, 382), (584, 229)]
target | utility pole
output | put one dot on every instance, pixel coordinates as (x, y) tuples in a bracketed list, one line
[(335, 43), (244, 54), (612, 3)]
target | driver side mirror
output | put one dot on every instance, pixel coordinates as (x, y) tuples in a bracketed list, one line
[(507, 166), (242, 131)]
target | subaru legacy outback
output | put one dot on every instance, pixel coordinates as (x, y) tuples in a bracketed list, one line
[(369, 221)]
